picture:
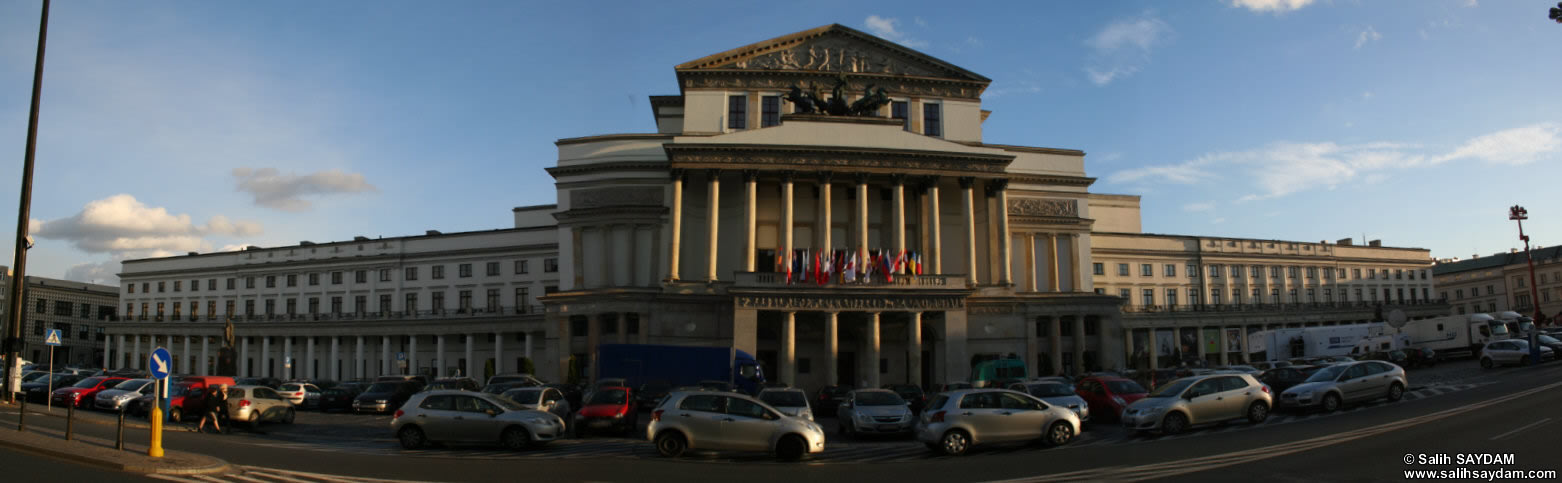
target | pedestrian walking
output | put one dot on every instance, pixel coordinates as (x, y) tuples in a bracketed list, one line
[(216, 408)]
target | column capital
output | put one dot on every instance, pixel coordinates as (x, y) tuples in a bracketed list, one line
[(928, 182), (825, 176), (713, 174), (678, 174), (967, 181), (860, 178), (788, 175), (750, 175), (998, 184), (897, 179)]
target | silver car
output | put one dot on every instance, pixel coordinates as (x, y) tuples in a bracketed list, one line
[(1192, 401), (1511, 351), (457, 416), (541, 399), (255, 404), (955, 421), (1347, 382), (874, 411), (1056, 394), (790, 401), (114, 399), (729, 421)]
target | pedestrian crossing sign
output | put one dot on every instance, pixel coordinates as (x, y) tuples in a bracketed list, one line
[(53, 338)]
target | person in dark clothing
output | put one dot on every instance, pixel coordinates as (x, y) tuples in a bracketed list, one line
[(216, 408)]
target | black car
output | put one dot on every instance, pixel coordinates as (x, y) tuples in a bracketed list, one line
[(386, 396), (1281, 378), (38, 390), (454, 383), (572, 393), (270, 382), (341, 396), (829, 397), (651, 393), (912, 394)]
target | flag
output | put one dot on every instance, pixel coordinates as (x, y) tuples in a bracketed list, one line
[(849, 273), (818, 269), (920, 267), (900, 263), (785, 261), (889, 267)]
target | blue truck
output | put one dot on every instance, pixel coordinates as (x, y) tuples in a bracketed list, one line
[(679, 365)]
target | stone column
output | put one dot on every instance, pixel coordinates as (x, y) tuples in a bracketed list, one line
[(1055, 339), (1104, 325), (788, 212), (1080, 344), (750, 214), (1073, 265), (713, 212), (898, 216), (1005, 266), (309, 357), (956, 358), (565, 345), (605, 262), (336, 360), (1052, 263), (832, 348), (108, 351), (862, 219), (1200, 338), (205, 366), (412, 354), (499, 353), (935, 226), (385, 355), (677, 228), (1225, 347), (745, 330), (265, 356), (593, 338), (644, 319), (789, 348), (914, 350), (358, 371), (873, 350), (1032, 349), (287, 352), (1128, 348), (439, 356), (135, 351), (471, 340), (526, 345), (968, 206), (1030, 262), (825, 243), (1244, 351)]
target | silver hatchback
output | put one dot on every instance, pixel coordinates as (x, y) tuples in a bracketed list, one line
[(729, 421), (874, 411), (955, 421), (1347, 382), (457, 416), (254, 404), (1191, 401)]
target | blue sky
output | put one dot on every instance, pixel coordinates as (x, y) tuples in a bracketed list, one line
[(199, 126)]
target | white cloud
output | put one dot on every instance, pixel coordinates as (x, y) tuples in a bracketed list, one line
[(1368, 34), (1199, 206), (1217, 221), (123, 226), (106, 272), (1284, 168), (1367, 95), (1275, 6), (1472, 3), (1123, 47), (286, 191), (886, 27)]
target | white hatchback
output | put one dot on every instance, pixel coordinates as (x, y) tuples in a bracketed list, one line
[(1511, 351), (729, 421)]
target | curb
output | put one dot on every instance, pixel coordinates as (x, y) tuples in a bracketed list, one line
[(219, 467)]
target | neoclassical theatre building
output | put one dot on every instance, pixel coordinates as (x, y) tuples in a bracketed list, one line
[(824, 200)]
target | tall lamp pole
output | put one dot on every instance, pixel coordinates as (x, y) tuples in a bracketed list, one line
[(1519, 214), (13, 341)]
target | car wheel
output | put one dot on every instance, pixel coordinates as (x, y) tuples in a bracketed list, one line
[(288, 418), (955, 442), (671, 444), (411, 437), (1331, 402), (515, 439), (1060, 433), (1174, 423), (176, 415), (1395, 391), (791, 448), (1257, 413), (1485, 363)]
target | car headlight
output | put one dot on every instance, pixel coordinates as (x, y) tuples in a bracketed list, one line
[(618, 416)]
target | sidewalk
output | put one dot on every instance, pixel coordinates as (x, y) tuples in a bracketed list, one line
[(99, 452)]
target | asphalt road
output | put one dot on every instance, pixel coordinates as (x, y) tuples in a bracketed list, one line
[(1506, 413)]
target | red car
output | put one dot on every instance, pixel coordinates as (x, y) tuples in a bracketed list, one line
[(1109, 395), (82, 393), (608, 408)]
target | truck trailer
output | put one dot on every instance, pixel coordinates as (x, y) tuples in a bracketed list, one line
[(678, 366)]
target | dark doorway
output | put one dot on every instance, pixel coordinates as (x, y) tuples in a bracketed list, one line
[(927, 369), (846, 368), (768, 364)]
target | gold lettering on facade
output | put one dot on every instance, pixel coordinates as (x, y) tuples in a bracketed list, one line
[(1043, 207)]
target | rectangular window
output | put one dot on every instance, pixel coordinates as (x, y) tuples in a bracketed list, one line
[(336, 278), (314, 305), (211, 284), (1258, 271), (314, 279), (1214, 296), (1214, 271), (1170, 269), (901, 110), (1491, 290), (1294, 300), (1355, 273), (1236, 296), (1291, 272), (1312, 273), (520, 267), (43, 307), (1274, 295), (271, 281), (1399, 274), (464, 270), (1171, 297), (437, 272), (195, 285), (1125, 294), (360, 276), (360, 304), (932, 119), (176, 310), (1236, 271), (1328, 296), (178, 284), (1193, 297), (271, 307), (1122, 269), (737, 112), (550, 265), (769, 111), (493, 300), (385, 303), (160, 287), (1098, 268), (411, 273), (492, 269), (439, 300), (292, 307), (522, 299), (465, 299), (1148, 297), (130, 287), (1193, 271), (249, 282), (1312, 296), (211, 310), (411, 305), (336, 306), (249, 308), (227, 309), (63, 308), (1146, 269)]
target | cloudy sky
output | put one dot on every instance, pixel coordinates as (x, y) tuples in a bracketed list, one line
[(170, 127)]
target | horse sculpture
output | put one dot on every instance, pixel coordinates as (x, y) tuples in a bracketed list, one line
[(803, 102), (872, 99)]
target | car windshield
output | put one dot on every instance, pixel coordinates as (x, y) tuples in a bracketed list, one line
[(506, 404), (524, 396), (444, 385), (132, 385), (957, 386), (607, 396), (505, 379), (1546, 339), (89, 382), (879, 399), (1326, 374), (179, 390), (1049, 390), (783, 399), (63, 379), (383, 387), (1172, 389), (289, 388), (1125, 387)]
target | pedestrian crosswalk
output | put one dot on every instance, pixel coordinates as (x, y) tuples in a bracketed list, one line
[(256, 474)]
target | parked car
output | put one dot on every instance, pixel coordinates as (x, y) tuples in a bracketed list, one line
[(270, 382), (527, 379), (30, 376), (790, 401), (448, 416), (608, 408), (178, 407), (830, 397), (542, 399), (82, 393), (1267, 365), (422, 380), (874, 411), (1240, 368), (342, 396), (1511, 351), (256, 404), (651, 393), (952, 386), (500, 388), (1056, 394), (38, 390), (1550, 342), (113, 399), (301, 394), (453, 384), (912, 394), (718, 386), (1193, 401), (1334, 386), (727, 421), (958, 420), (572, 392), (1109, 395), (1280, 379), (385, 396)]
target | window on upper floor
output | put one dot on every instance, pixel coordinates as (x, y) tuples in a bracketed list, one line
[(211, 284), (1170, 269), (1291, 272), (147, 287), (230, 283), (1146, 270), (178, 285), (1236, 271), (492, 269), (1274, 272), (769, 111), (1372, 274), (550, 265), (520, 267), (336, 278), (411, 273), (271, 281), (1399, 274), (292, 280), (1193, 271), (1258, 271), (901, 110), (437, 272), (160, 287), (1491, 290), (737, 112), (464, 270), (1312, 273), (932, 119), (385, 274), (1458, 294), (1122, 269), (130, 288), (1098, 268), (360, 276), (1214, 271)]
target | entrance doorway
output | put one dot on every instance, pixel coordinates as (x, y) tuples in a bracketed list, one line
[(846, 368)]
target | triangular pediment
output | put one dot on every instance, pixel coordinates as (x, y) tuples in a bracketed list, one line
[(834, 49)]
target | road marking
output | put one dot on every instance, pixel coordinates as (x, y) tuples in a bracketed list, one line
[(1521, 428)]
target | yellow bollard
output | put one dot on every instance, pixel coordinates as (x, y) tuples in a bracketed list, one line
[(155, 450)]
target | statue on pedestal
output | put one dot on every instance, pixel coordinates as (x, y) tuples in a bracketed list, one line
[(227, 355)]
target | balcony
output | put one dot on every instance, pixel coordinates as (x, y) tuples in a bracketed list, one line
[(901, 282)]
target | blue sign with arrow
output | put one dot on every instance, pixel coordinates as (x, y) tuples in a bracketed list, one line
[(159, 363)]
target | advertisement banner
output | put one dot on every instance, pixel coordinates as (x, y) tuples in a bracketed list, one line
[(1212, 341), (1165, 342), (1234, 340)]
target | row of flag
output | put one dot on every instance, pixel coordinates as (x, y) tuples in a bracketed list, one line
[(848, 266)]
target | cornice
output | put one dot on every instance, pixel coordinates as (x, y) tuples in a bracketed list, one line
[(1024, 149), (819, 158), (261, 268), (574, 170), (1045, 179), (614, 137)]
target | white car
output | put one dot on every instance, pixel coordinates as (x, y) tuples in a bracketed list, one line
[(114, 399), (789, 400), (1511, 351), (301, 394), (955, 421), (729, 421)]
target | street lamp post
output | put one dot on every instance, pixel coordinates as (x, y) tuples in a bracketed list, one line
[(13, 339), (1519, 214)]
